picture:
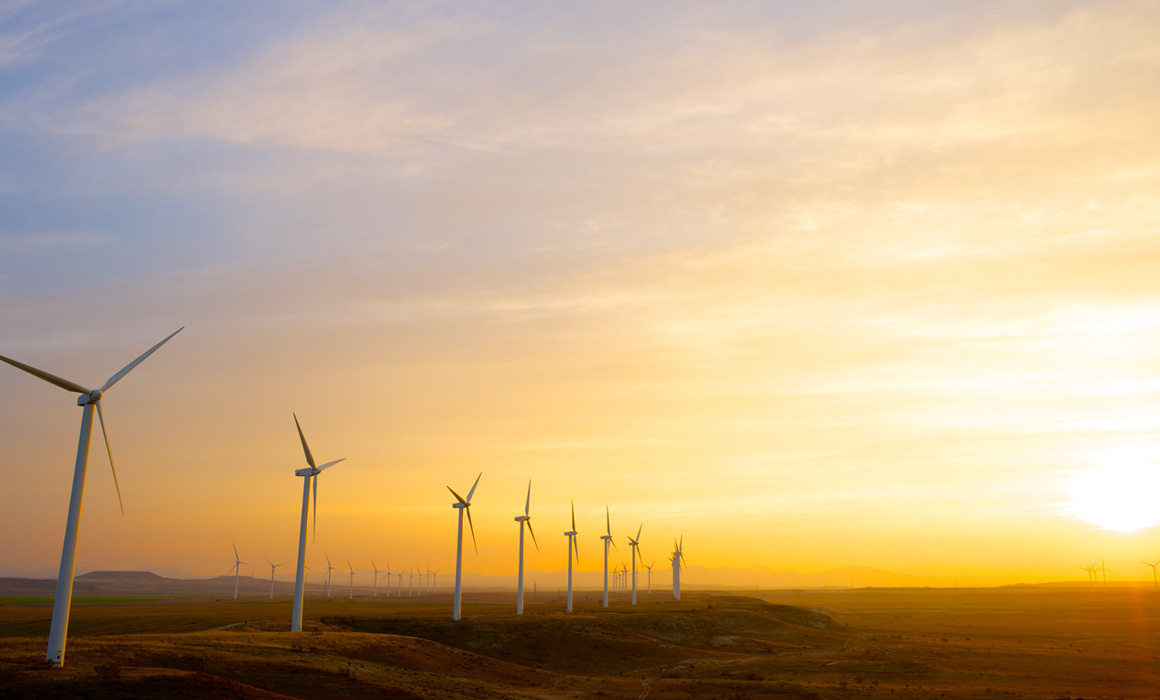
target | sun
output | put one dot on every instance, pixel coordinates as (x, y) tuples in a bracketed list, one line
[(1119, 491)]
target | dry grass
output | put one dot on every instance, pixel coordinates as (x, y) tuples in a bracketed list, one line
[(872, 644)]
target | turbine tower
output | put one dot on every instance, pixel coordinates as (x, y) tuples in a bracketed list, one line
[(388, 579), (272, 567), (311, 473), (526, 518), (607, 537), (435, 579), (1154, 583), (572, 546), (375, 590), (678, 560), (1106, 571), (1091, 574), (237, 569), (463, 506), (351, 595), (410, 581), (648, 568), (62, 601), (634, 549)]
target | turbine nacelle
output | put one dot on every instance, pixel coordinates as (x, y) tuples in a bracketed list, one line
[(90, 397)]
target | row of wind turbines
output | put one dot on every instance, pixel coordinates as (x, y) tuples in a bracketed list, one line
[(1095, 570), (463, 506), (90, 401), (432, 577)]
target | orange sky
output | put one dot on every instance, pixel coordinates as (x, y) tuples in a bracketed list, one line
[(815, 288)]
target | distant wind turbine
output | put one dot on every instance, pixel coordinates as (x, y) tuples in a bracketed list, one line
[(410, 581), (648, 567), (351, 595), (634, 549), (329, 568), (572, 546), (237, 569), (1091, 573), (272, 567), (311, 473), (375, 589), (1106, 571), (434, 580), (525, 519), (607, 537), (388, 579), (62, 602), (1154, 583), (463, 506), (678, 560)]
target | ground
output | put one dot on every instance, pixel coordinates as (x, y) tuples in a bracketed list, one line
[(873, 643)]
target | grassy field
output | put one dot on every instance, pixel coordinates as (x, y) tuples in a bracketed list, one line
[(960, 643)]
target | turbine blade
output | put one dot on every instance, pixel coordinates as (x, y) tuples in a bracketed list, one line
[(328, 560), (470, 525), (613, 543), (305, 447), (639, 555), (101, 415), (576, 546), (129, 367), (607, 522), (267, 560), (529, 522), (236, 557), (314, 534), (573, 516), (469, 493), (328, 465), (528, 503), (457, 496), (50, 378), (638, 532)]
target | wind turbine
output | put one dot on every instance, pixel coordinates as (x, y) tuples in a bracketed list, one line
[(329, 568), (375, 567), (351, 595), (310, 473), (272, 567), (1090, 573), (463, 506), (607, 537), (410, 581), (388, 579), (435, 579), (634, 548), (62, 601), (678, 560), (648, 568), (1106, 571), (237, 569), (526, 518), (1154, 583), (571, 534)]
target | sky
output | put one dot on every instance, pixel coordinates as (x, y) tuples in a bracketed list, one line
[(812, 285)]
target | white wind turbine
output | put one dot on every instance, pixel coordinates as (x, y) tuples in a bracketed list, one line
[(571, 534), (463, 506), (62, 601), (634, 548), (435, 579), (399, 588), (237, 569), (678, 560), (648, 567), (388, 579), (310, 473), (375, 590), (526, 518), (607, 537), (410, 581), (1154, 583), (272, 567), (351, 595)]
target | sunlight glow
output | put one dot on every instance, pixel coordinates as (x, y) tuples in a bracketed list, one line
[(1119, 491)]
